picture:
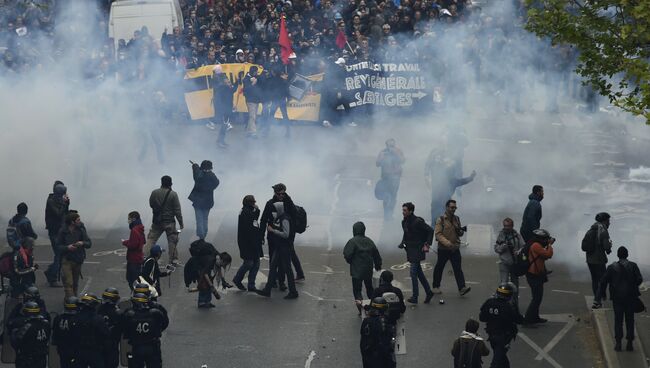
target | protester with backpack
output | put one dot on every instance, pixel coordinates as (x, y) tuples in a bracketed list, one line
[(540, 250), (416, 240), (166, 210), (469, 348), (19, 227), (597, 245), (448, 231), (56, 208), (24, 268)]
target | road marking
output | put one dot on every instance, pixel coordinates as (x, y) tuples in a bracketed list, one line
[(569, 324), (320, 299), (337, 178), (566, 292), (328, 269), (539, 350), (400, 339), (473, 282), (44, 262), (86, 286), (310, 358)]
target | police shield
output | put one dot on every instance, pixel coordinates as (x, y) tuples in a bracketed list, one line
[(8, 355), (125, 348), (53, 360)]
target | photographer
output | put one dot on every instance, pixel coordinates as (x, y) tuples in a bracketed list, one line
[(540, 250), (448, 231), (509, 243)]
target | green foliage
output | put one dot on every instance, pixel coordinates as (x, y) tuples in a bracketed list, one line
[(613, 40)]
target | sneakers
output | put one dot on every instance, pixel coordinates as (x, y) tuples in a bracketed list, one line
[(228, 126), (428, 298), (211, 126), (464, 290), (596, 305), (264, 293), (252, 289), (436, 291), (239, 285), (327, 124), (291, 296), (629, 346), (282, 287), (359, 306), (412, 300), (300, 279)]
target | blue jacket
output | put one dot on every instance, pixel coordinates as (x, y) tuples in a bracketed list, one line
[(205, 182), (532, 217)]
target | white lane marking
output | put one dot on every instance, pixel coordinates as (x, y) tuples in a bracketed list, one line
[(473, 282), (310, 358), (320, 298), (337, 178), (86, 286), (570, 323), (45, 262), (539, 350), (313, 296), (400, 339), (328, 269), (566, 292)]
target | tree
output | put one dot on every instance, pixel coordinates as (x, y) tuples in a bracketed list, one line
[(612, 38)]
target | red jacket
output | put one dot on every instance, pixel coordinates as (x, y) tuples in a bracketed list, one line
[(134, 245), (538, 255)]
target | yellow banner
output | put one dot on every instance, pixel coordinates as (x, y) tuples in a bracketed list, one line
[(200, 106)]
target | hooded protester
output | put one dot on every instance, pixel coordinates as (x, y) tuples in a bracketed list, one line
[(532, 214), (249, 240), (597, 245), (202, 195), (56, 208), (72, 243), (22, 225), (416, 240), (134, 248), (361, 253), (469, 348)]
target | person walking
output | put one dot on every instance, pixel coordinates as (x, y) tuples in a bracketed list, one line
[(469, 348), (501, 324), (540, 250), (24, 268), (623, 278), (166, 211), (448, 231), (202, 195), (390, 160), (56, 208), (134, 248), (361, 254), (532, 213), (224, 90), (20, 227), (416, 240), (72, 243), (443, 176), (278, 93), (253, 95), (597, 245), (508, 244), (249, 240)]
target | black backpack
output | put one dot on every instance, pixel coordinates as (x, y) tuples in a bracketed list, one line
[(300, 221), (589, 240), (521, 263)]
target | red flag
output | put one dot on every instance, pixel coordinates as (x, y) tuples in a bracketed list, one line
[(341, 40), (285, 43)]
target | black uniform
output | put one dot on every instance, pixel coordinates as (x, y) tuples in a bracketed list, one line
[(65, 336), (16, 312), (30, 337), (112, 318), (394, 312), (143, 329), (93, 334), (377, 349), (501, 325)]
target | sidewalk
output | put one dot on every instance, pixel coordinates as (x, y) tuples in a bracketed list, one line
[(604, 321)]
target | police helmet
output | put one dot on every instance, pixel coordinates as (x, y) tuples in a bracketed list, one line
[(141, 288), (505, 291), (31, 308), (111, 295), (541, 233), (379, 303), (89, 300), (32, 293), (71, 304), (140, 301)]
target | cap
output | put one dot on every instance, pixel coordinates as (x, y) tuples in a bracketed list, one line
[(156, 250), (239, 51), (340, 61)]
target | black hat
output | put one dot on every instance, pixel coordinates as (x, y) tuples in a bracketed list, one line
[(603, 216), (206, 165), (166, 181), (279, 186), (21, 208)]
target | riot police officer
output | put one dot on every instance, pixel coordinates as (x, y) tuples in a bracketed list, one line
[(377, 344), (30, 337), (65, 333), (31, 294), (109, 311), (501, 320), (92, 332), (141, 288), (142, 326)]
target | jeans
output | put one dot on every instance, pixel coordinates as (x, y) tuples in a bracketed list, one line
[(53, 271), (623, 309), (536, 284), (597, 272), (454, 256), (356, 288), (71, 273), (300, 274), (156, 231), (281, 265), (251, 266), (417, 274), (499, 344), (132, 272), (201, 222), (205, 296), (251, 127), (506, 275), (392, 186), (270, 110)]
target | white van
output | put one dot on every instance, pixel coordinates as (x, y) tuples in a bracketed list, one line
[(128, 16)]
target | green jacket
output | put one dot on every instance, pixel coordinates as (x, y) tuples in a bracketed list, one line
[(361, 253)]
